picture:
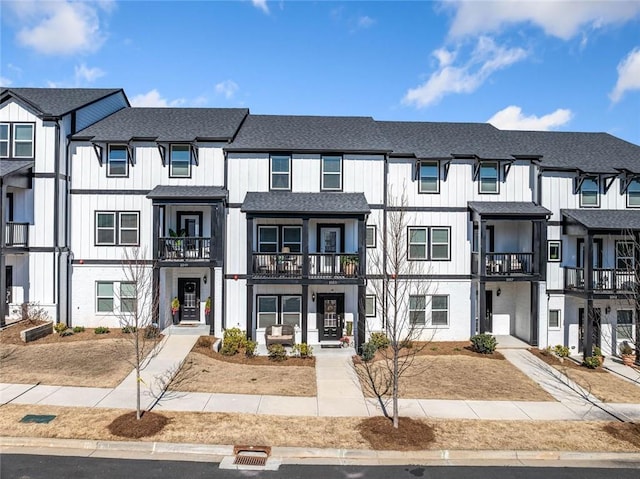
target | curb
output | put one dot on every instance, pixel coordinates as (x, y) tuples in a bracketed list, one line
[(309, 456)]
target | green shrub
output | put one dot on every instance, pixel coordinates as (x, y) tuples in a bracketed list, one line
[(561, 351), (379, 340), (129, 329), (66, 332), (233, 340), (101, 330), (277, 352), (250, 348), (483, 343), (78, 329), (349, 328), (368, 351), (591, 362), (151, 332), (59, 327), (597, 351), (302, 350)]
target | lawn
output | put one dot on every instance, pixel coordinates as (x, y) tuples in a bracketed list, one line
[(602, 384)]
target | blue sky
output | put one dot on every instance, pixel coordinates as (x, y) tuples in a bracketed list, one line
[(543, 65)]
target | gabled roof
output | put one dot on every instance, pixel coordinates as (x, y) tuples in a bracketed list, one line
[(615, 220), (164, 192), (57, 101), (589, 152), (310, 133), (8, 167), (508, 208), (287, 202), (444, 140), (166, 125)]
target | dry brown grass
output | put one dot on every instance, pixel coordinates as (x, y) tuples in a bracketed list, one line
[(599, 382), (207, 371), (221, 428), (470, 377)]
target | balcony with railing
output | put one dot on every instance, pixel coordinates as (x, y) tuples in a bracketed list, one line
[(504, 264), (318, 265), (606, 280), (16, 235), (184, 248)]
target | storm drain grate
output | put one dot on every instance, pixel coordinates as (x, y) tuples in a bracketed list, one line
[(251, 455)]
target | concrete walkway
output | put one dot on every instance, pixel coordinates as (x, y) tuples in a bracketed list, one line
[(339, 392)]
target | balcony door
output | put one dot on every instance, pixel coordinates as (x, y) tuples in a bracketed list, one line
[(189, 297), (190, 225), (330, 243), (597, 253), (330, 316), (9, 286)]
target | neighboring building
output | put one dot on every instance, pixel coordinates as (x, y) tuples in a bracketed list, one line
[(277, 219)]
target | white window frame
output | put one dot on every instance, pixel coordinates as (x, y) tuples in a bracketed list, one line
[(260, 313), (411, 243), (374, 233), (276, 243), (117, 228), (421, 176), (180, 146), (370, 312), (128, 228), (110, 161), (432, 243), (633, 194), (559, 319), (114, 228), (439, 310), (589, 181), (628, 259), (486, 165), (415, 310), (98, 297), (324, 173), (6, 141), (31, 140), (125, 298), (279, 173), (283, 313), (628, 327)]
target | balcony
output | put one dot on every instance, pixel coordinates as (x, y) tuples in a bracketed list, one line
[(320, 265), (604, 280), (186, 248), (505, 264), (16, 234)]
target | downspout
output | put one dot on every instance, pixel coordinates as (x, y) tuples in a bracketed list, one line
[(225, 210), (56, 219), (385, 201), (67, 215)]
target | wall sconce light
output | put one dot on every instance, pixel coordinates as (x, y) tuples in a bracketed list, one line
[(313, 297), (204, 279), (607, 310), (499, 292)]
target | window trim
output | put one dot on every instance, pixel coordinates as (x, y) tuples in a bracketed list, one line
[(112, 297), (437, 165), (121, 228), (116, 227), (550, 244), (596, 180), (375, 309), (31, 141), (448, 309), (628, 195), (8, 140), (431, 243), (97, 228), (559, 326), (375, 234), (134, 297), (426, 243), (190, 151), (126, 161), (632, 257), (277, 242), (423, 311), (497, 178), (279, 307), (288, 173), (629, 325), (333, 173)]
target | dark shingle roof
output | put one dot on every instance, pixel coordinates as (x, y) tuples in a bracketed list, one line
[(590, 152), (58, 101), (444, 140), (508, 208), (309, 133), (8, 167), (287, 202), (167, 124), (191, 192), (620, 220)]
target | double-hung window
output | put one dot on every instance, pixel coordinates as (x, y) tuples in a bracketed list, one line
[(429, 243), (625, 258), (489, 177), (370, 305), (267, 311), (429, 177), (104, 296), (267, 239), (279, 310), (590, 193), (117, 161), (440, 310), (180, 161), (371, 236), (117, 228), (332, 173), (633, 194), (108, 301), (418, 311), (292, 239), (280, 172), (554, 319), (4, 140), (128, 297), (291, 310), (624, 325), (440, 244), (418, 241), (22, 140)]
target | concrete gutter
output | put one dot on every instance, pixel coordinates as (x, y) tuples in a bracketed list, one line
[(313, 456)]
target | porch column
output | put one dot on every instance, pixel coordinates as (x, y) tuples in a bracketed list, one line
[(535, 313), (305, 259), (305, 313), (156, 232), (360, 334), (636, 289), (249, 246), (155, 284), (362, 248), (587, 349), (482, 266), (210, 318), (251, 326), (482, 307), (3, 267)]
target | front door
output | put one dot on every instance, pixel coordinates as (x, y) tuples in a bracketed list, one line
[(9, 285), (189, 297), (330, 316), (488, 315)]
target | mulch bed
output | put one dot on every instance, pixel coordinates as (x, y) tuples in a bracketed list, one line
[(11, 335), (128, 426), (553, 360), (411, 435), (444, 348), (204, 346)]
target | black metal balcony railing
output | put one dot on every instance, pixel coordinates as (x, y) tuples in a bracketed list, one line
[(602, 279), (16, 234), (184, 248), (505, 264), (320, 265)]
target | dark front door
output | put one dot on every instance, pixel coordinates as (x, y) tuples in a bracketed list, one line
[(189, 297), (9, 284), (488, 310), (330, 316)]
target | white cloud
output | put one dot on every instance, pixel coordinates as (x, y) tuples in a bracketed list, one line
[(365, 22), (511, 118), (89, 75), (486, 58), (261, 4), (5, 82), (562, 19), (628, 75), (228, 88), (59, 27), (153, 98)]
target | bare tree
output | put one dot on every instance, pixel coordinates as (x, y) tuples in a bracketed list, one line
[(401, 305)]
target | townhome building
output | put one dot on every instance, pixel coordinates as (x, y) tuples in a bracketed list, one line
[(254, 220), (35, 124)]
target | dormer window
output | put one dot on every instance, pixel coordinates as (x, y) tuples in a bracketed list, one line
[(589, 193), (633, 194), (180, 161), (489, 177), (429, 179), (117, 161)]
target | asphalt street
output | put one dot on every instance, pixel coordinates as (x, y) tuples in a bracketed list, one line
[(24, 466)]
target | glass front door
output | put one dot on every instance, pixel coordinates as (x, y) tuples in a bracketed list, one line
[(330, 316), (189, 297)]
